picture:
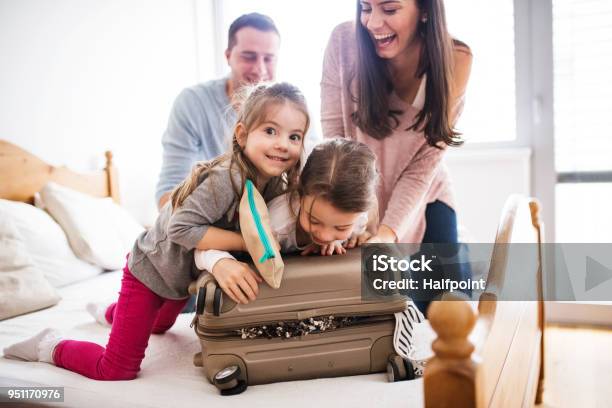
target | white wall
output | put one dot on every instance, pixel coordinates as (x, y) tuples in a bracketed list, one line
[(482, 181), (78, 77)]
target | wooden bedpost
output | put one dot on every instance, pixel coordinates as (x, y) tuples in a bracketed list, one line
[(534, 206), (111, 177), (450, 376)]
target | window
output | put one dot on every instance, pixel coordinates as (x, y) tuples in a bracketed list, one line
[(488, 28), (582, 37), (583, 85), (583, 212)]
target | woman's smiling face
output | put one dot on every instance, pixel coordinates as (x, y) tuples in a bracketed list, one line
[(392, 25)]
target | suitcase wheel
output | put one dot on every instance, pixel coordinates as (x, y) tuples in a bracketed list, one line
[(238, 389), (409, 370), (228, 381), (399, 369)]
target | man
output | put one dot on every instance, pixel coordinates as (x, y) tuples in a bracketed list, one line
[(202, 117)]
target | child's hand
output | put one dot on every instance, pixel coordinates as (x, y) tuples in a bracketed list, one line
[(329, 249), (334, 247), (237, 279), (310, 249), (357, 240)]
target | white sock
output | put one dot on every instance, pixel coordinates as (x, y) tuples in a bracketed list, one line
[(47, 346), (98, 312), (37, 348)]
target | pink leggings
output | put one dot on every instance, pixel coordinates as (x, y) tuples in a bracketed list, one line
[(137, 313)]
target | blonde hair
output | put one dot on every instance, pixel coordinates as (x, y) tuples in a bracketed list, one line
[(253, 105)]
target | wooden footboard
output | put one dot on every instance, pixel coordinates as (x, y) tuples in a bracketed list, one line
[(492, 357)]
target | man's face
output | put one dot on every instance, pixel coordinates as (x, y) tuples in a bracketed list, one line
[(253, 58)]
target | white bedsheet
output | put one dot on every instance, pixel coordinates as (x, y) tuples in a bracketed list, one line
[(168, 377)]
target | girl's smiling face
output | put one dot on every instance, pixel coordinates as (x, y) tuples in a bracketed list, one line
[(274, 145), (324, 222), (392, 25)]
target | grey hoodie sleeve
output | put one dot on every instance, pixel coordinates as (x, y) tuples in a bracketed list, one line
[(205, 206)]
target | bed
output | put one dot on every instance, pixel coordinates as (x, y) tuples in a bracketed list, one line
[(487, 353)]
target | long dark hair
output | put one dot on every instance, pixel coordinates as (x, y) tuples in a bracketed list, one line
[(253, 103), (374, 85)]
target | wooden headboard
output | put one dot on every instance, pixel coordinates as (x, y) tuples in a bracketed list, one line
[(22, 175)]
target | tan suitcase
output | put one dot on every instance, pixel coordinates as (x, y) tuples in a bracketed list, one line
[(243, 345)]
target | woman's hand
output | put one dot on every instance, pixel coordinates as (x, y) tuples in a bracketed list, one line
[(384, 235), (237, 280), (358, 240)]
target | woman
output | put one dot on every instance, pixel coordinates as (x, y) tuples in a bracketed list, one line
[(395, 80)]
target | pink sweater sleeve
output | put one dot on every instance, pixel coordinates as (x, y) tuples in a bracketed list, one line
[(411, 190), (332, 121)]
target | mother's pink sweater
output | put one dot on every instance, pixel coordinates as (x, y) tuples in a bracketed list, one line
[(412, 174)]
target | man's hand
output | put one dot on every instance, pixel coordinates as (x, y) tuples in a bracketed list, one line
[(237, 280)]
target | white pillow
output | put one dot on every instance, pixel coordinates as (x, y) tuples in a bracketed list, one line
[(23, 288), (99, 231), (46, 244)]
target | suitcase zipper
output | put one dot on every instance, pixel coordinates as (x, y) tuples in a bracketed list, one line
[(290, 316), (213, 334)]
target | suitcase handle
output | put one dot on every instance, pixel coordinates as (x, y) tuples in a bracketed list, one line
[(209, 295), (201, 300), (218, 301)]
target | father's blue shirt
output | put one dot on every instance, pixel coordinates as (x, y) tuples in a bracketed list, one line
[(199, 128)]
